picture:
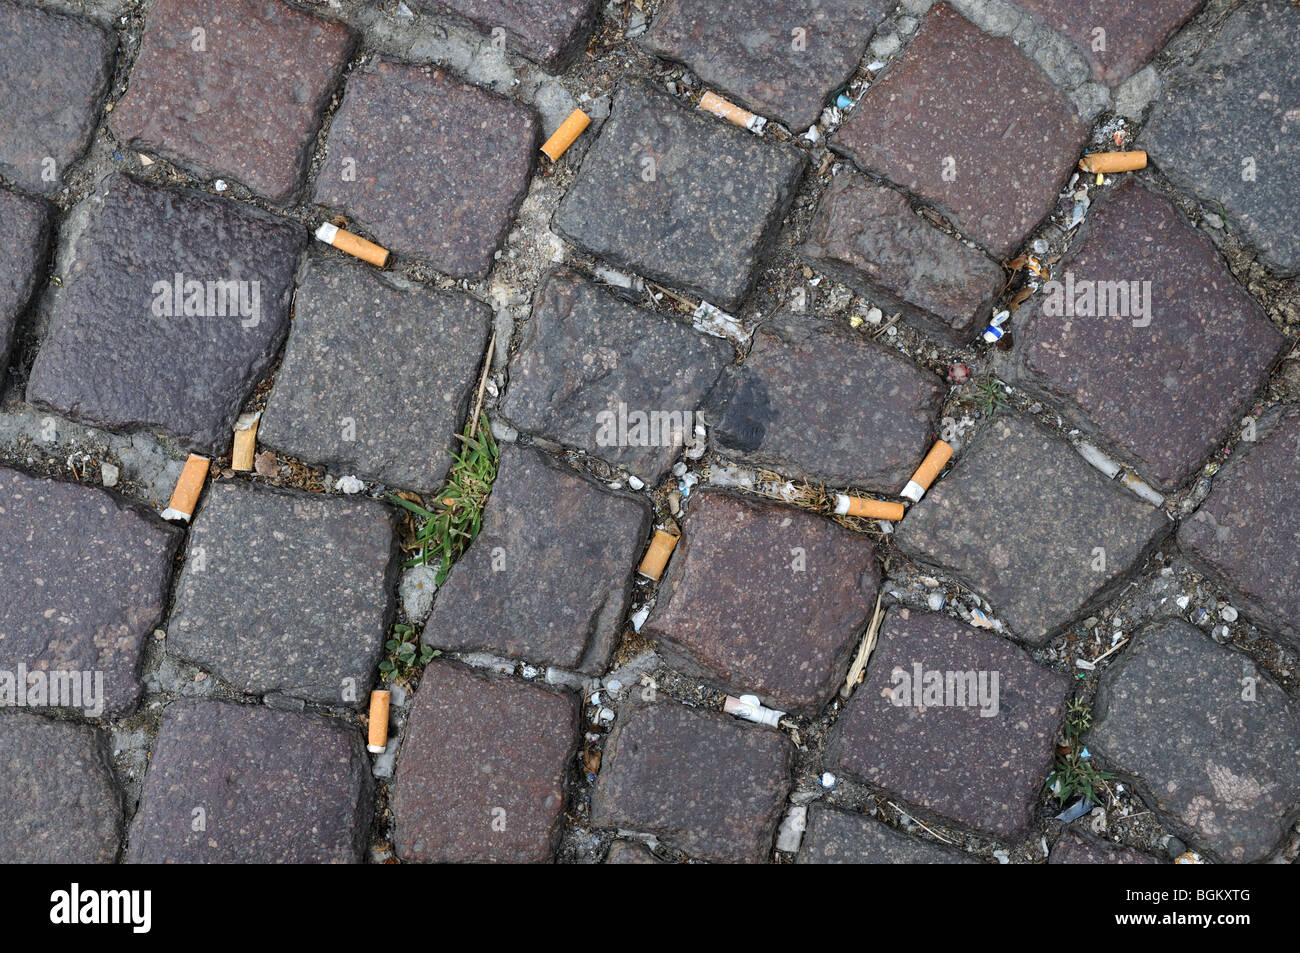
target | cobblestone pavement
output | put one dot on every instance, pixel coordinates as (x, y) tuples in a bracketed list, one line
[(1081, 645)]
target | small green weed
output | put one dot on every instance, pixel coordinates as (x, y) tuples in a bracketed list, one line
[(405, 654), (1076, 774)]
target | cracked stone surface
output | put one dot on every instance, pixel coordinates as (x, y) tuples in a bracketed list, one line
[(1128, 35), (760, 598), (930, 724), (54, 70), (271, 786), (697, 780), (247, 612), (27, 223), (779, 58), (110, 321), (59, 803), (481, 774), (648, 196), (434, 168), (1021, 518), (551, 32), (1248, 530), (343, 396), (596, 372), (82, 609), (548, 578), (1164, 382), (1174, 715), (1075, 848), (826, 406), (839, 837), (868, 236), (243, 99), (1244, 78), (952, 88)]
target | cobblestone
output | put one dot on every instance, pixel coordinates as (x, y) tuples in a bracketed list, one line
[(698, 781), (345, 396), (234, 88), (246, 611), (27, 223), (760, 598), (552, 32), (678, 197), (838, 837), (436, 169), (241, 784)]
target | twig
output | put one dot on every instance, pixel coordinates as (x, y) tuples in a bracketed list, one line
[(482, 384), (935, 833), (1111, 651), (887, 325), (864, 650)]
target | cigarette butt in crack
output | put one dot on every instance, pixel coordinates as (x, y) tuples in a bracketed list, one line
[(934, 461), (378, 736), (657, 556), (241, 458), (188, 488), (1114, 161), (713, 103), (867, 509), (565, 136), (751, 709), (354, 245)]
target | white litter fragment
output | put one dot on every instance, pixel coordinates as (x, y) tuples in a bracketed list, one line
[(750, 708), (635, 483), (712, 320), (109, 474), (1098, 459), (639, 617), (828, 780), (618, 279), (349, 485), (1142, 490), (790, 835)]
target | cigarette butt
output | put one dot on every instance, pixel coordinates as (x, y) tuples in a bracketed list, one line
[(354, 245), (188, 488), (564, 137), (378, 739), (1114, 161), (713, 103), (657, 556), (241, 458), (751, 709), (867, 509), (934, 461)]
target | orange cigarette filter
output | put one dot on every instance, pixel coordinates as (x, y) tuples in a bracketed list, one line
[(188, 487), (1114, 161), (377, 740), (354, 245), (712, 102), (657, 556), (565, 136), (930, 467), (867, 509), (241, 458)]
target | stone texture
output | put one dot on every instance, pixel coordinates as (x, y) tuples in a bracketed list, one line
[(700, 781), (110, 361), (1170, 713), (274, 787), (434, 168), (248, 103), (85, 582), (1245, 81), (826, 407), (838, 837), (979, 761), (750, 51), (868, 236), (589, 360), (249, 609), (551, 32), (1020, 519), (1132, 33), (765, 599), (53, 74), (961, 94), (26, 223), (1248, 530), (58, 801), (714, 201), (357, 391), (1074, 848), (621, 852), (480, 778), (548, 578), (1165, 386)]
